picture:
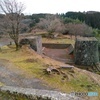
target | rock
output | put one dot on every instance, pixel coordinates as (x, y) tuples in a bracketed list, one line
[(50, 69), (86, 51), (35, 43), (53, 95), (67, 66)]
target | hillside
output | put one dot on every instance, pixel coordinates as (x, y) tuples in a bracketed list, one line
[(32, 64)]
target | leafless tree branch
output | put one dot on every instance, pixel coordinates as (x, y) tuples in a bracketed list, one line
[(13, 11)]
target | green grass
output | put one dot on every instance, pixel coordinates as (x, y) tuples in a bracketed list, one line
[(1, 84), (31, 65), (60, 40), (83, 84)]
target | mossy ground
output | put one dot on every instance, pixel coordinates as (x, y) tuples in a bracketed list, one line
[(58, 40), (1, 84), (33, 66)]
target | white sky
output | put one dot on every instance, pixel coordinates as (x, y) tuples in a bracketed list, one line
[(60, 6)]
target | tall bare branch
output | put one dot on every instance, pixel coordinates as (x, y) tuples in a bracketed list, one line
[(13, 11)]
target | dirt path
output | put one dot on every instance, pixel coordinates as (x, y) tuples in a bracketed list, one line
[(14, 77), (58, 54)]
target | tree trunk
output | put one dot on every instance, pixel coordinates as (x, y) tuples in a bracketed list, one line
[(17, 45)]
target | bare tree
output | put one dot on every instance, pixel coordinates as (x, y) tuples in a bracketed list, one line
[(79, 29), (12, 10), (52, 23)]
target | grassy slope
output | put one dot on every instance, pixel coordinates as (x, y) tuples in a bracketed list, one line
[(1, 84), (62, 40), (33, 65)]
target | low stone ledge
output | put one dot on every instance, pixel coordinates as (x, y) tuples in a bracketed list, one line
[(55, 45), (53, 95)]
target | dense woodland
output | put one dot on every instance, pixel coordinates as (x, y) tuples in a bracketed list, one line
[(91, 18)]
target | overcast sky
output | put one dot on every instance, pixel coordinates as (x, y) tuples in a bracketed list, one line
[(60, 6)]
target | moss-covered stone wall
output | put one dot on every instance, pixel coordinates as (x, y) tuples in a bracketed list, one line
[(86, 51)]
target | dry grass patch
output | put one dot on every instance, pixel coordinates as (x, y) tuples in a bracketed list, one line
[(1, 84), (60, 40)]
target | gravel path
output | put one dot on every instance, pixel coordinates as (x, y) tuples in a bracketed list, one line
[(14, 77)]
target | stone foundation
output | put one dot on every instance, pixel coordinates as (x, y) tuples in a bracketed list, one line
[(86, 51), (55, 45), (35, 43)]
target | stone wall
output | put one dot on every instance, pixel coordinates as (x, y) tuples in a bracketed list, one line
[(55, 46), (86, 51), (36, 93), (35, 43)]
